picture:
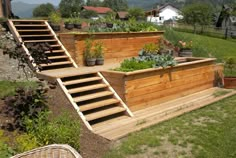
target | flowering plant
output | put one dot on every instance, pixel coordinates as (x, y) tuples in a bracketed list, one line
[(185, 45)]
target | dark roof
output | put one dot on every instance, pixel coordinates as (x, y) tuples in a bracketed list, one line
[(99, 10)]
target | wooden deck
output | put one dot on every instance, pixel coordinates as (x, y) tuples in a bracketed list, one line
[(120, 127)]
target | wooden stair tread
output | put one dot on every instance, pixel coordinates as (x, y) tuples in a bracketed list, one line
[(55, 45), (66, 83), (92, 96), (58, 57), (49, 35), (98, 104), (25, 20), (30, 25), (55, 51), (43, 30), (104, 113), (87, 88), (56, 63), (35, 41)]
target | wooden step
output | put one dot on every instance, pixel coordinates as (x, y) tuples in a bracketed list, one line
[(55, 51), (49, 35), (56, 64), (57, 57), (98, 104), (55, 45), (87, 88), (44, 30), (35, 41), (25, 20), (66, 83), (92, 96), (30, 25), (104, 113)]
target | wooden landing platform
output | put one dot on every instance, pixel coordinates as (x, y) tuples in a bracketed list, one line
[(115, 129), (66, 72)]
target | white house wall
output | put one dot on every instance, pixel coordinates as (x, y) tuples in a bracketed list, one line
[(169, 13)]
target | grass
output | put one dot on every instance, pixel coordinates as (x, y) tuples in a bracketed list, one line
[(209, 132), (204, 46), (8, 87)]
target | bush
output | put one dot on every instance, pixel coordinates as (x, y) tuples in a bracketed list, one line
[(26, 142), (62, 130), (27, 102), (5, 149)]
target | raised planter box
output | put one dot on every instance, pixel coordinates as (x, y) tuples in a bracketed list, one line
[(145, 88), (117, 45)]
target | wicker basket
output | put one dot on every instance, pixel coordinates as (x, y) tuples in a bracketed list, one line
[(51, 151)]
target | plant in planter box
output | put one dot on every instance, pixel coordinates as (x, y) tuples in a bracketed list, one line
[(77, 23), (98, 50), (69, 23), (230, 70), (150, 48), (55, 19), (185, 48), (88, 53), (110, 18)]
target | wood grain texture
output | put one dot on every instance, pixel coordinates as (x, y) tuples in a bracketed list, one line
[(152, 87), (117, 46)]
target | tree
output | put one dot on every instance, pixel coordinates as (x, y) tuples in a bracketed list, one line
[(197, 14), (116, 5), (137, 13), (43, 10), (69, 7), (88, 14), (94, 3)]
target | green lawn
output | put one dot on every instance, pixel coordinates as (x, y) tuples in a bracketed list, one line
[(209, 132), (204, 45)]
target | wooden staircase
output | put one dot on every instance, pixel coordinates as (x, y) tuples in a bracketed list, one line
[(37, 31), (93, 98), (89, 93)]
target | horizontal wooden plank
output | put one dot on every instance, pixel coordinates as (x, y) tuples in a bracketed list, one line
[(87, 88), (92, 96), (66, 83)]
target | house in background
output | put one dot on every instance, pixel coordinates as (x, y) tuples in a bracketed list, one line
[(101, 11), (163, 13), (225, 22), (5, 8), (122, 16)]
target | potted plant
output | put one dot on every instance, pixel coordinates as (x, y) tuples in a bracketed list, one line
[(77, 23), (98, 50), (69, 23), (230, 70), (55, 20), (89, 56), (185, 48)]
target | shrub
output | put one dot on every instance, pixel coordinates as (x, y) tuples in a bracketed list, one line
[(26, 142), (5, 149), (27, 102), (62, 130)]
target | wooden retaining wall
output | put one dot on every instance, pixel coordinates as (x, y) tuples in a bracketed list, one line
[(117, 45), (144, 88)]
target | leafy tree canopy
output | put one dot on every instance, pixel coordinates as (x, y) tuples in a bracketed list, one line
[(88, 14), (116, 5), (137, 13), (197, 14), (69, 7), (43, 10), (94, 3)]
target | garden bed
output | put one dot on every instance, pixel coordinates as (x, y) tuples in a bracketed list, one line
[(117, 45), (148, 87)]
